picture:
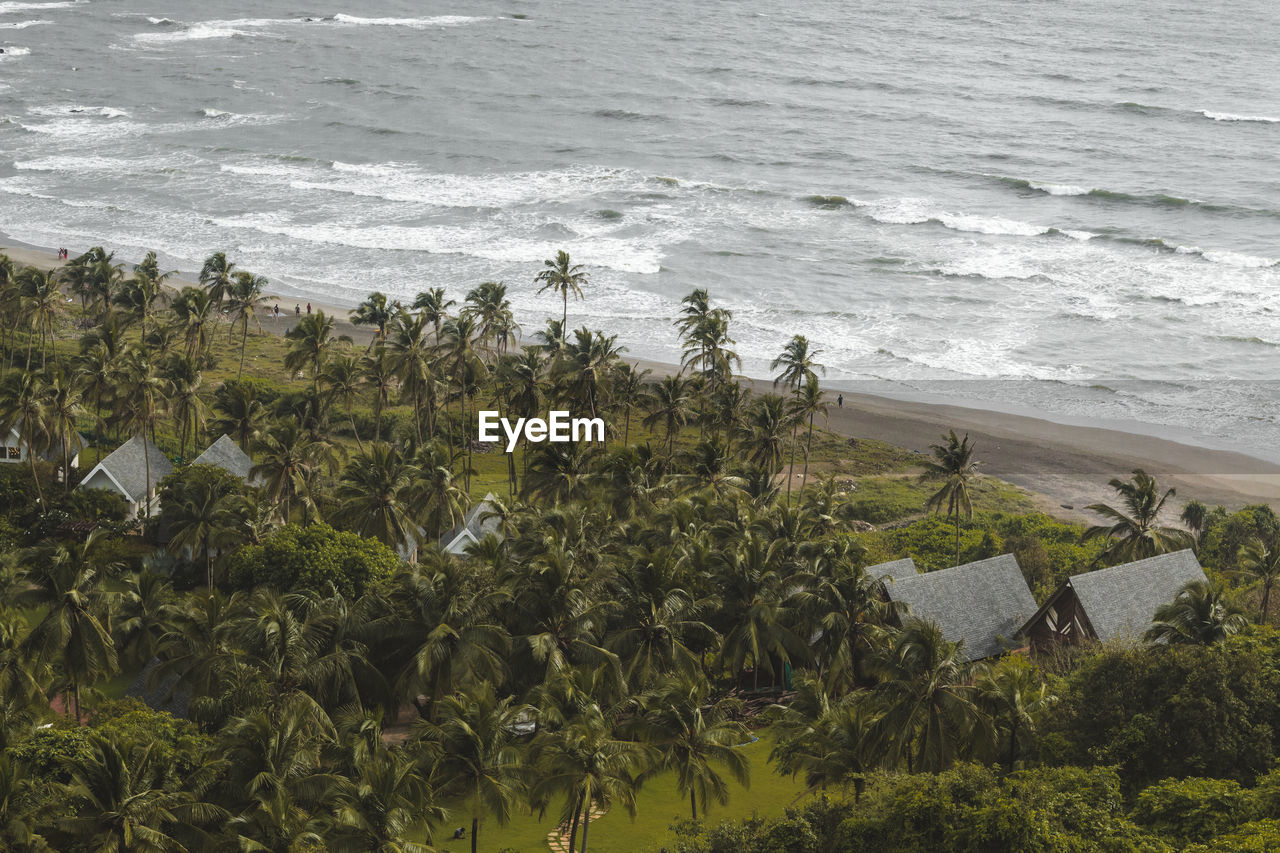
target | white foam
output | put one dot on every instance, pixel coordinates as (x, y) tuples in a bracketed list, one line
[(14, 6), (1060, 189), (1235, 259), (1234, 117), (22, 25), (78, 109), (15, 51), (162, 22), (202, 30), (915, 211), (1082, 236), (412, 23)]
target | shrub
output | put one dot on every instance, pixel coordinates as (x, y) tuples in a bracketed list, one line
[(313, 558)]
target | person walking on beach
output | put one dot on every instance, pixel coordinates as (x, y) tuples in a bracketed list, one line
[(839, 401), (297, 310), (308, 309), (276, 311)]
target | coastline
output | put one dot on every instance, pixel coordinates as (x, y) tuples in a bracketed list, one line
[(1067, 465)]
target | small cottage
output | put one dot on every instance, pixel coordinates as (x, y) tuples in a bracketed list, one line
[(981, 605), (479, 522), (125, 472), (227, 455), (1118, 603)]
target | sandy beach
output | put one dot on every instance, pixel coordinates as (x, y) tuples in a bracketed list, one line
[(1068, 465)]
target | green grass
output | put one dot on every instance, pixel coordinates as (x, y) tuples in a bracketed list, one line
[(882, 500), (659, 806)]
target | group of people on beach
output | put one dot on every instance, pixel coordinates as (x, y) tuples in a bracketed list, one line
[(63, 254)]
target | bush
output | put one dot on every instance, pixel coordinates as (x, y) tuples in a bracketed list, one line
[(313, 558), (1193, 809)]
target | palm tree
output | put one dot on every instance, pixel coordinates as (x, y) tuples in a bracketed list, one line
[(476, 749), (798, 369), (765, 431), (245, 298), (309, 344), (63, 393), (24, 407), (458, 350), (387, 804), (42, 302), (121, 802), (585, 367), (193, 310), (754, 612), (144, 393), (217, 275), (693, 734), (1136, 530), (1013, 693), (434, 307), (1202, 613), (66, 581), (495, 324), (440, 503), (288, 463), (373, 496), (1261, 563), (145, 290), (929, 715), (344, 381), (411, 356), (204, 521), (670, 408), (560, 275), (629, 391), (1193, 516), (240, 412), (807, 402), (374, 311), (378, 371), (588, 764), (956, 468), (186, 399)]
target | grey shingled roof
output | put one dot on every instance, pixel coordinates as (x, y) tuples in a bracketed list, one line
[(159, 694), (1121, 601), (475, 522), (895, 569), (979, 604), (127, 465), (227, 455)]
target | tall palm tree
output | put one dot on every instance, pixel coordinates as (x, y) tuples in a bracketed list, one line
[(411, 355), (474, 744), (387, 805), (240, 412), (440, 502), (956, 469), (929, 715), (561, 275), (806, 403), (289, 463), (63, 393), (24, 407), (1014, 694), (458, 350), (585, 367), (186, 399), (42, 302), (374, 311), (691, 735), (1261, 563), (798, 368), (755, 613), (765, 431), (629, 391), (1135, 531), (344, 381), (378, 372), (66, 581), (1202, 613), (671, 407), (373, 496), (245, 298), (1193, 516), (144, 394), (434, 307), (145, 291), (496, 327), (310, 342), (204, 521), (217, 274)]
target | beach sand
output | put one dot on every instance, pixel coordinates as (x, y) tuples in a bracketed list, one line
[(1067, 466)]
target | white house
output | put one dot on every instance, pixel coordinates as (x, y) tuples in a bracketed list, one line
[(14, 449), (479, 522), (227, 455), (125, 472)]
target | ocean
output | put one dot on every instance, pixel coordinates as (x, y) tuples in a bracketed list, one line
[(1065, 208)]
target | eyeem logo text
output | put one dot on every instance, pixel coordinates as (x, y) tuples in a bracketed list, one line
[(558, 427)]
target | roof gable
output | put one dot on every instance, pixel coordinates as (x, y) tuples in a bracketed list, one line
[(980, 604), (893, 570), (227, 455), (126, 466), (1122, 600), (478, 523)]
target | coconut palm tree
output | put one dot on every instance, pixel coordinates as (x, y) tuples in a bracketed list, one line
[(412, 357), (1135, 531), (434, 307), (765, 431), (806, 403), (561, 275), (63, 393), (754, 613), (691, 735), (240, 412), (496, 327), (42, 302), (1193, 516), (386, 806), (956, 469), (373, 496), (374, 311), (440, 503), (1202, 613), (24, 406), (929, 716), (798, 368), (1014, 694), (378, 372), (1260, 562), (143, 394), (66, 582), (629, 390), (310, 342), (245, 298), (459, 352), (830, 739), (186, 399), (217, 274), (288, 463), (474, 743), (671, 407), (204, 521), (142, 294), (585, 368)]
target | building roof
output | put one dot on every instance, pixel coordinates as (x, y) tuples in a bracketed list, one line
[(895, 569), (160, 694), (981, 604), (1122, 600), (227, 455), (126, 466), (479, 522)]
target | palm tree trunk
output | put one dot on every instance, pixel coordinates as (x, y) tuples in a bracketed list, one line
[(1266, 597), (244, 341), (808, 445), (564, 321), (791, 466), (31, 458), (957, 538), (208, 562), (573, 826), (475, 831), (351, 416), (693, 803), (586, 809)]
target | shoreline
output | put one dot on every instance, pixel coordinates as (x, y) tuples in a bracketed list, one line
[(1066, 464)]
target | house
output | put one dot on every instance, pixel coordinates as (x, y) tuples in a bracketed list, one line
[(479, 522), (1118, 603), (125, 472), (981, 605), (14, 449), (227, 455), (160, 693), (892, 571)]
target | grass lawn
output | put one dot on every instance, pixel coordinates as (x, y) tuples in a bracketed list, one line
[(659, 806)]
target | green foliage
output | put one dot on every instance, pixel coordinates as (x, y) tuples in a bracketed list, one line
[(1224, 533), (1160, 712), (1193, 809), (311, 558)]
